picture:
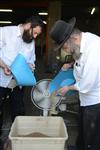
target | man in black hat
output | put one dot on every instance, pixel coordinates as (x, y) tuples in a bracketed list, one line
[(85, 49)]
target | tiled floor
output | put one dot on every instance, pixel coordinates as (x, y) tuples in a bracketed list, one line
[(70, 117)]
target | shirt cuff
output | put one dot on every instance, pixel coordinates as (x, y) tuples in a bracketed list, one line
[(77, 86)]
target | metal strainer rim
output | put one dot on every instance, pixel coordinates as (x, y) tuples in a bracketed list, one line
[(32, 98)]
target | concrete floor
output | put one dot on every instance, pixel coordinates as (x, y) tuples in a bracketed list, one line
[(70, 117)]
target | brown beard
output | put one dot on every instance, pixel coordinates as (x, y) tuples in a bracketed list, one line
[(27, 38)]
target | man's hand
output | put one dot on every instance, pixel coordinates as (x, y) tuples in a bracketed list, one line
[(6, 70), (5, 67), (66, 66), (63, 90), (32, 66)]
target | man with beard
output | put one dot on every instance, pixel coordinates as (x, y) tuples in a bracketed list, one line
[(85, 49), (14, 40)]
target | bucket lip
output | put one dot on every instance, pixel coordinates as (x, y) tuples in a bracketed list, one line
[(39, 117)]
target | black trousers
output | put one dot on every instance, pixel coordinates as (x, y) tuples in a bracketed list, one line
[(89, 128), (16, 102)]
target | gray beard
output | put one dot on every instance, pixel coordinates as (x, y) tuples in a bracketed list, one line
[(75, 50), (76, 55)]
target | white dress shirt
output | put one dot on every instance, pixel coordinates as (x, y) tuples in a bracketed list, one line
[(87, 70), (11, 44)]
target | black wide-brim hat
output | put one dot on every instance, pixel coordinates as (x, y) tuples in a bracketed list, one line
[(61, 31)]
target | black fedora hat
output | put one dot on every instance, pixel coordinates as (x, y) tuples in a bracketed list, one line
[(61, 31)]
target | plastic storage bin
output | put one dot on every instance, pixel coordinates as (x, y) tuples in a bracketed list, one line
[(53, 127)]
